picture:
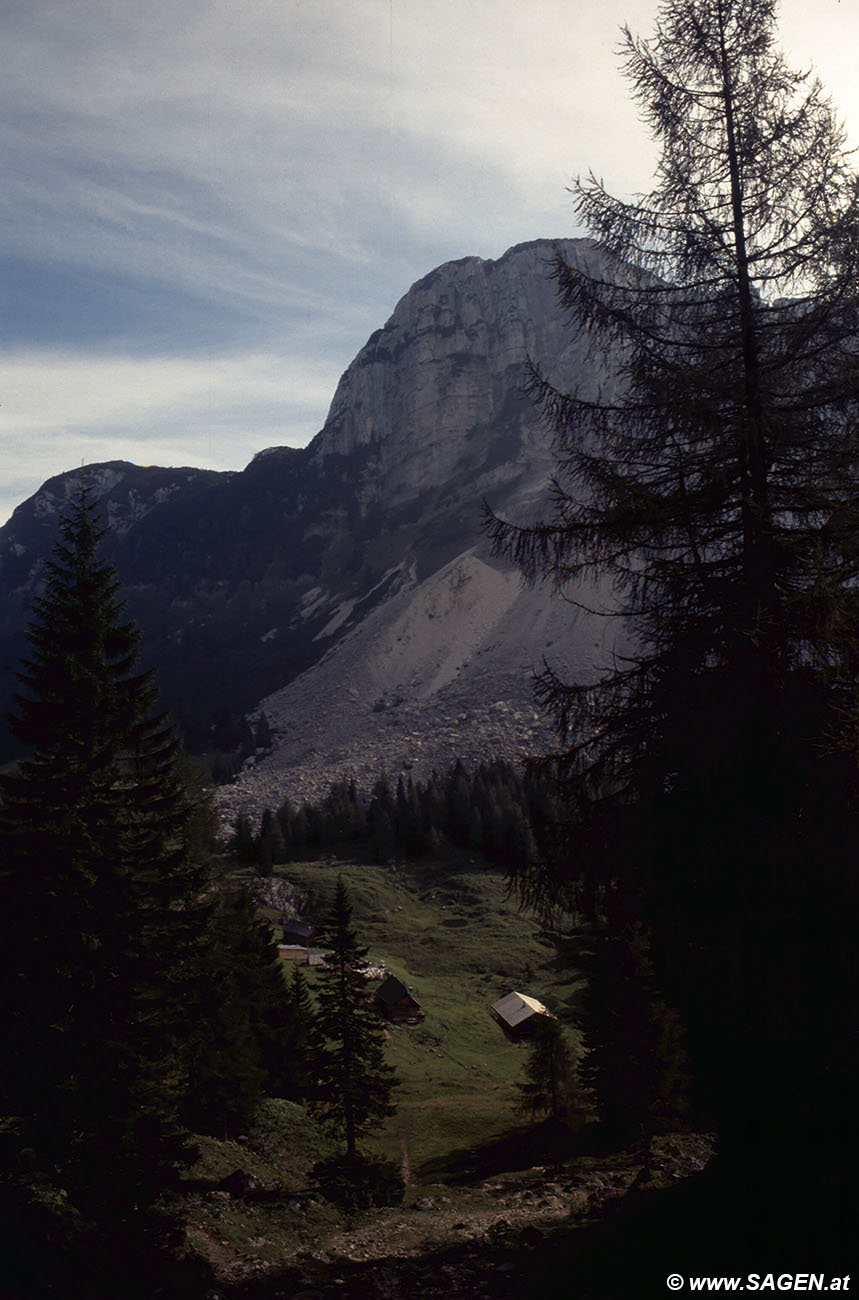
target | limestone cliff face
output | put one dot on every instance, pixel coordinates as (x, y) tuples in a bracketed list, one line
[(432, 417), (347, 584), (435, 396)]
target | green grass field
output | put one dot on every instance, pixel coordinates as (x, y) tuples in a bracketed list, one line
[(450, 931)]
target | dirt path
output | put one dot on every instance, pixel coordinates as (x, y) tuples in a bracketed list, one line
[(498, 1217), (422, 1230), (408, 1177)]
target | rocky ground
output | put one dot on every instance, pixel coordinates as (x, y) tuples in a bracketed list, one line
[(445, 670), (414, 739), (455, 1241)]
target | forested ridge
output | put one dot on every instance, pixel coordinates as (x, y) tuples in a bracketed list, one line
[(498, 810)]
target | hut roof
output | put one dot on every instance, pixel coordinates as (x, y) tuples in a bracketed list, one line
[(516, 1008), (392, 991), (301, 929)]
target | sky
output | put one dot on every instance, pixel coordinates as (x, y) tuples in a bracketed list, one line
[(209, 205)]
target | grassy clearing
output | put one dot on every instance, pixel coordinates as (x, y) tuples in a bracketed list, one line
[(450, 931), (278, 1152)]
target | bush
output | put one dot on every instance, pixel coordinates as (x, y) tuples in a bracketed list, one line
[(359, 1183), (283, 1129)]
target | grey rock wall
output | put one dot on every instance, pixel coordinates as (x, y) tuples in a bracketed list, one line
[(345, 587)]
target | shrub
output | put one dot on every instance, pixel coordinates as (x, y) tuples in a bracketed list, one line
[(359, 1182)]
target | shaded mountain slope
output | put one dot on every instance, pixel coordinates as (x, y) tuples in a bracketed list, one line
[(312, 561)]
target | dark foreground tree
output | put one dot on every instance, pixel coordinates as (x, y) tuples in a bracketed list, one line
[(242, 1023), (101, 873), (549, 1072), (303, 1044), (715, 493), (634, 1062), (355, 1082)]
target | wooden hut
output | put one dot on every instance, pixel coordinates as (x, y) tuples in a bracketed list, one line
[(395, 1000), (518, 1014), (293, 952), (301, 933)]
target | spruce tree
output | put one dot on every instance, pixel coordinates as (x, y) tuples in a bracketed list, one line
[(355, 1082), (242, 1020), (243, 842), (270, 846), (101, 873), (634, 1063), (304, 1043), (712, 768), (381, 823), (548, 1088)]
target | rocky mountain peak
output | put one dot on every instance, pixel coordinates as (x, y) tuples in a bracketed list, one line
[(346, 586), (436, 392)]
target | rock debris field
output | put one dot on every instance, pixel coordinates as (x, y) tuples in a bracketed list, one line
[(444, 671)]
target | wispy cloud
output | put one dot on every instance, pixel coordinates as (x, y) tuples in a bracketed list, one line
[(196, 179), (60, 409)]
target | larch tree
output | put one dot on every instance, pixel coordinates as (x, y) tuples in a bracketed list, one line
[(712, 767), (102, 871)]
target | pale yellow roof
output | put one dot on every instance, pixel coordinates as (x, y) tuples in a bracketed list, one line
[(516, 1007)]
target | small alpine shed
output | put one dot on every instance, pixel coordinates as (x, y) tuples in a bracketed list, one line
[(518, 1014), (299, 933), (397, 1003)]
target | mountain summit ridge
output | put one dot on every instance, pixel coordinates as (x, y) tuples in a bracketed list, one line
[(456, 345), (266, 584)]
